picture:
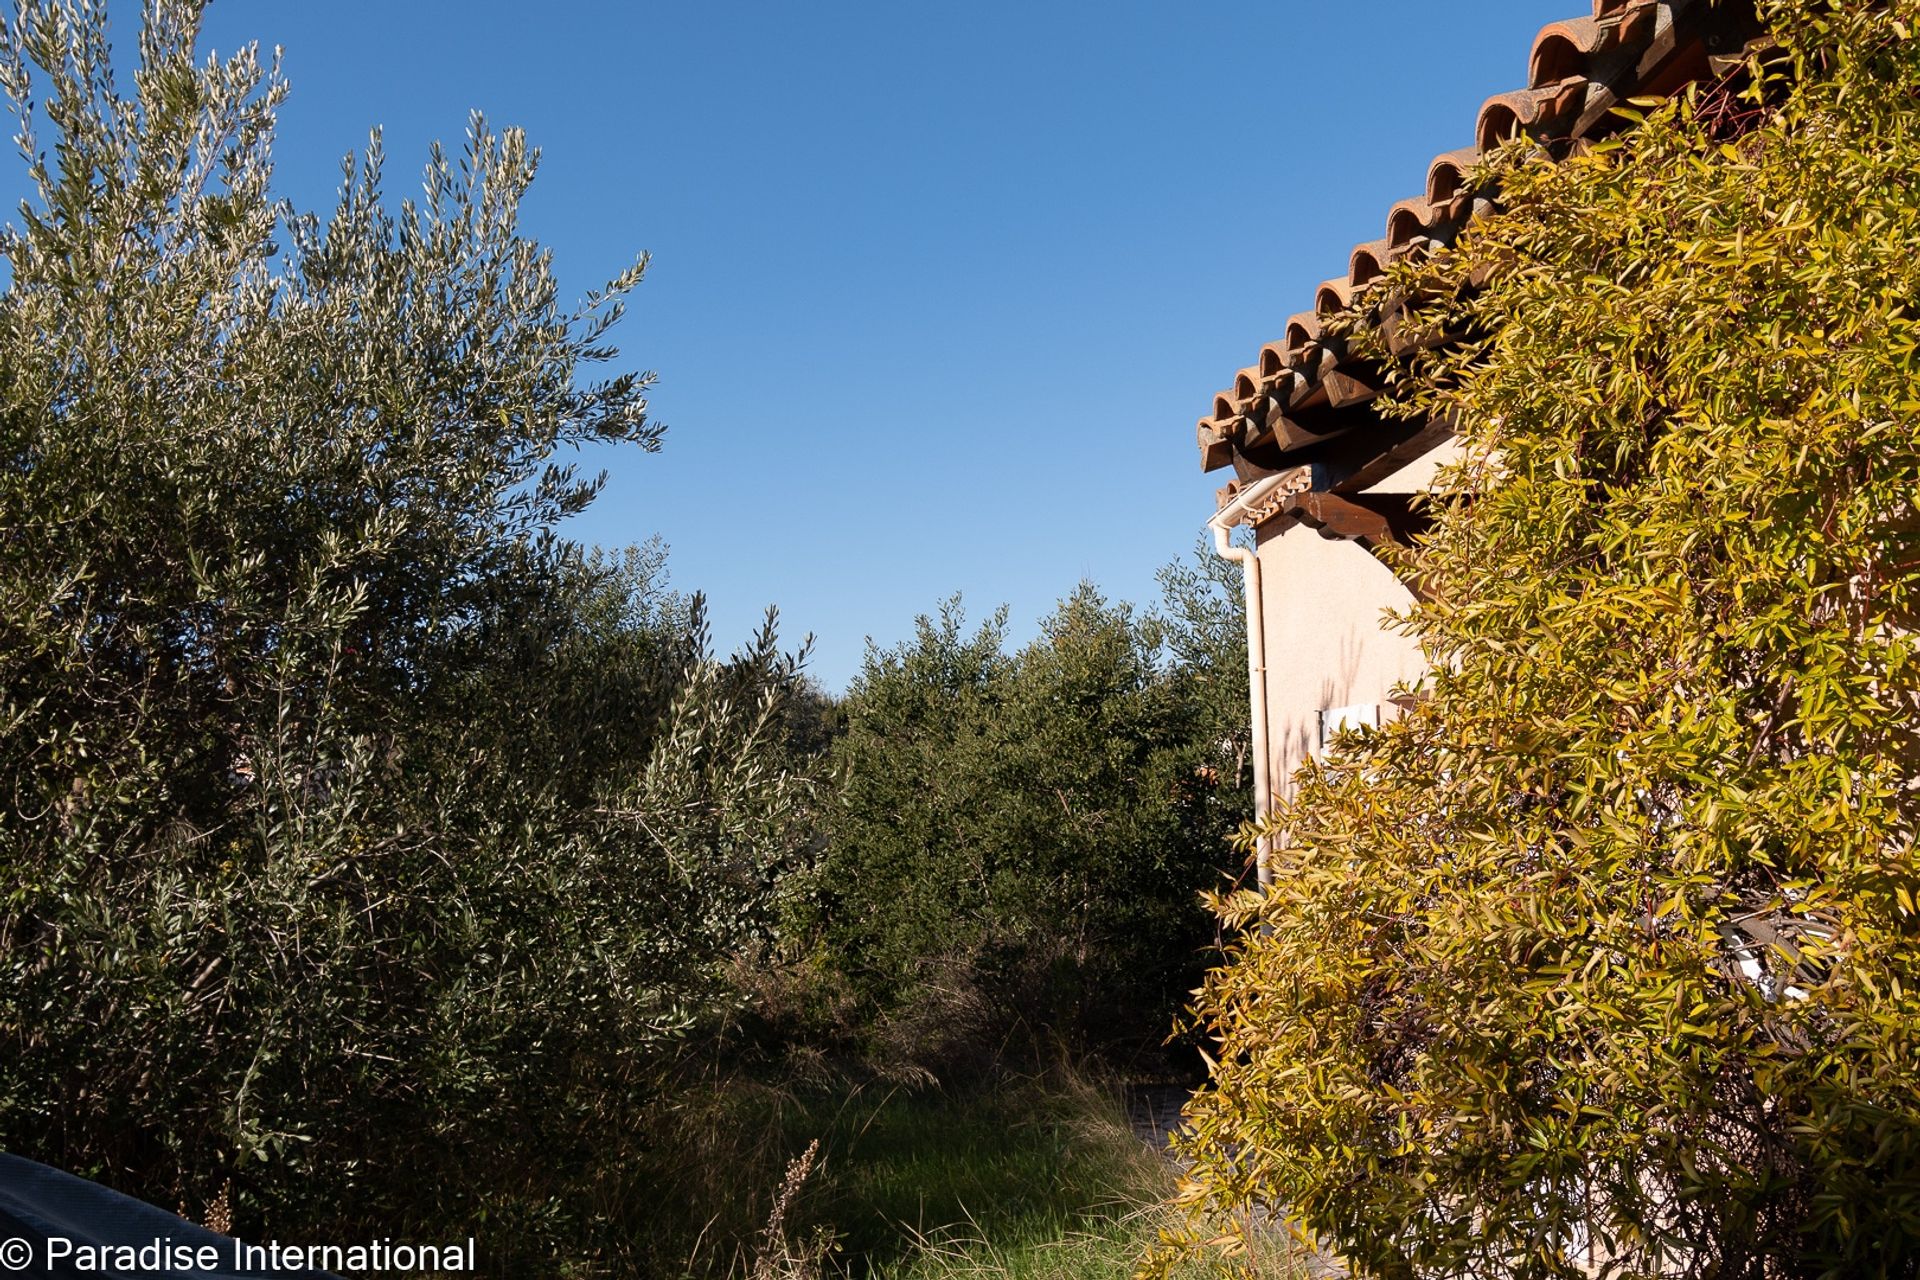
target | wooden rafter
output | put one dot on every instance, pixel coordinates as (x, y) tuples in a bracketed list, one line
[(1371, 519)]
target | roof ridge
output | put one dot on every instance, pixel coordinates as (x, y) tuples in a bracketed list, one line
[(1578, 70)]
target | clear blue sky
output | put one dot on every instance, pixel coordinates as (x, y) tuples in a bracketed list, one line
[(938, 290)]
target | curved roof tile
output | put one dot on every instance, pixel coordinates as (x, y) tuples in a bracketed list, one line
[(1368, 261), (1302, 327), (1246, 388), (1562, 49), (1447, 175), (1407, 219), (1333, 296), (1273, 360)]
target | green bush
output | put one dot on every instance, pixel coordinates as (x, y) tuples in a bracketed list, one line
[(1608, 952), (363, 845), (1021, 840)]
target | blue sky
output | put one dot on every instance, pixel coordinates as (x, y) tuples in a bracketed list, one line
[(938, 290)]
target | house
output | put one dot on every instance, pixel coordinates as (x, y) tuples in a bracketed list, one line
[(1322, 479)]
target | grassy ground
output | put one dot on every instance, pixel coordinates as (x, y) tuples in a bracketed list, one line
[(1027, 1180)]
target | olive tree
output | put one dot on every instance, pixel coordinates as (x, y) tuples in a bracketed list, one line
[(366, 846)]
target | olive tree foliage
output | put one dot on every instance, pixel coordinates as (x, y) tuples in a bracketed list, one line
[(1203, 611), (1606, 956), (356, 830)]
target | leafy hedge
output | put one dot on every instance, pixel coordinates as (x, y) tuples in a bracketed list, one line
[(1608, 953)]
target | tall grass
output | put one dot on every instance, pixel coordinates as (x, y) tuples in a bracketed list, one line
[(1028, 1179)]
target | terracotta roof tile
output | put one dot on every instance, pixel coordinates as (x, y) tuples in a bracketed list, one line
[(1564, 49), (1407, 220), (1334, 296), (1273, 359), (1578, 71), (1368, 261), (1302, 327)]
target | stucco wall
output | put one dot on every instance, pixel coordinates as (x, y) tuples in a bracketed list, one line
[(1326, 646), (1418, 475)]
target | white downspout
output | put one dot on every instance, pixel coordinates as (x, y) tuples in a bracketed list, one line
[(1235, 512)]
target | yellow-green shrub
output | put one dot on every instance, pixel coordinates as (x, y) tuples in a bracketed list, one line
[(1607, 952)]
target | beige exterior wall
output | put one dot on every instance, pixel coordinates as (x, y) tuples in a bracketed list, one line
[(1418, 476), (1326, 647), (1326, 644)]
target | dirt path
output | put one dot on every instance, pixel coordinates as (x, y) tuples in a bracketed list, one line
[(1153, 1112)]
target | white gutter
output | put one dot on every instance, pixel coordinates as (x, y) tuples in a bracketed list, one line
[(1242, 509)]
